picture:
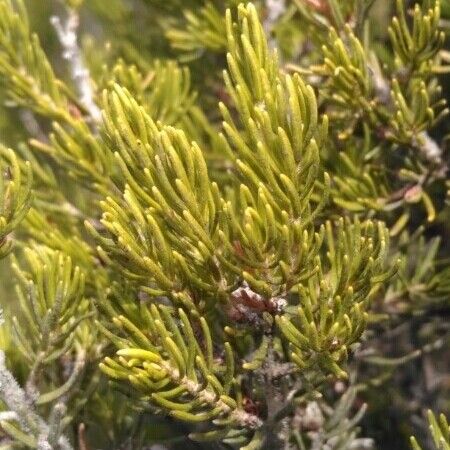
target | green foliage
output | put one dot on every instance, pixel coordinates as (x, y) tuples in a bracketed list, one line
[(50, 296), (439, 430), (175, 374), (409, 99), (416, 47), (15, 199), (396, 101), (24, 64), (334, 428), (166, 93), (202, 30), (423, 281), (325, 14), (34, 85), (186, 241), (223, 263), (327, 329)]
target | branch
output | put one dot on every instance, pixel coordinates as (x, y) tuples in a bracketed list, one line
[(274, 10), (429, 148), (67, 35), (21, 409), (423, 142)]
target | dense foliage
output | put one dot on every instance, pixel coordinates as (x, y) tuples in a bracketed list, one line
[(224, 224)]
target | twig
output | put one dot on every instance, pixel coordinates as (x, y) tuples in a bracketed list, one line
[(18, 402), (67, 35), (423, 142), (82, 444), (274, 10), (429, 148)]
